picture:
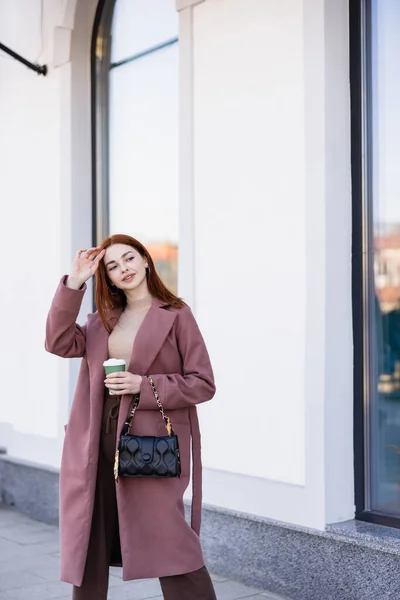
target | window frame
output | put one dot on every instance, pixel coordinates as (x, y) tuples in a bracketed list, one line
[(362, 252), (100, 109), (100, 66)]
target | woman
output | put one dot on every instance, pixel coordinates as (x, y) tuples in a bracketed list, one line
[(136, 523)]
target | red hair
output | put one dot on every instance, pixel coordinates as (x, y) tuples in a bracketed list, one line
[(105, 301)]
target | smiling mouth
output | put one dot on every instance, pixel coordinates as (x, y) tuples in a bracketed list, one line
[(128, 278)]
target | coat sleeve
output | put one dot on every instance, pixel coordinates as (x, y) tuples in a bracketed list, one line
[(196, 384), (64, 337)]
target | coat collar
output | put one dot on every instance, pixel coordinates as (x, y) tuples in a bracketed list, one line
[(149, 339)]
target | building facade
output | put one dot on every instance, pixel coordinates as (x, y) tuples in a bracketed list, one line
[(253, 147)]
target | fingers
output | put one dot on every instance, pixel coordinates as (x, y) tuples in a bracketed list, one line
[(116, 380), (90, 254), (110, 376), (88, 251), (99, 257), (119, 382), (95, 259)]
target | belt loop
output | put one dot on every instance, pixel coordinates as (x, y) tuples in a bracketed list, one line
[(112, 414)]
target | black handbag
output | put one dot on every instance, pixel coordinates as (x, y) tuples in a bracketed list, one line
[(147, 456)]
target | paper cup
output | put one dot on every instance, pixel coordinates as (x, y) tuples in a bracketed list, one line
[(114, 365)]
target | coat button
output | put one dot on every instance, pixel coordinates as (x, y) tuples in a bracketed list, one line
[(146, 457)]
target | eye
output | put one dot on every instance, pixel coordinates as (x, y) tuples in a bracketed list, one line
[(130, 258), (111, 268)]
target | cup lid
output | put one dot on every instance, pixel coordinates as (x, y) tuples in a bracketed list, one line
[(114, 362)]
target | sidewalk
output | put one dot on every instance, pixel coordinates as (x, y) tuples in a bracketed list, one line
[(29, 568)]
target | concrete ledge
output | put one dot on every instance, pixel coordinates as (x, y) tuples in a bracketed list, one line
[(366, 535), (31, 488), (348, 561)]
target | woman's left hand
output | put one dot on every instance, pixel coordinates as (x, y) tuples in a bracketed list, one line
[(123, 382)]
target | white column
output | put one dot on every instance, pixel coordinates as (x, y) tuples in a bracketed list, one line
[(267, 179)]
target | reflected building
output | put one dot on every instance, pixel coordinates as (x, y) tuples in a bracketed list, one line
[(165, 257), (387, 267)]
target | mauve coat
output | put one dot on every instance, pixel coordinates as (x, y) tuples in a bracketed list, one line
[(156, 540)]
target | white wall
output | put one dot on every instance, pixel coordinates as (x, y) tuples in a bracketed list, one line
[(39, 224), (250, 229), (267, 150), (265, 237)]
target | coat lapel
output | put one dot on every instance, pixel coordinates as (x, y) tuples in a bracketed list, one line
[(148, 342), (98, 351), (150, 337)]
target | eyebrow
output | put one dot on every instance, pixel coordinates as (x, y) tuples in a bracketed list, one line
[(113, 261)]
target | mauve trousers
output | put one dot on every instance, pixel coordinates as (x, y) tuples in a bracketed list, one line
[(104, 544)]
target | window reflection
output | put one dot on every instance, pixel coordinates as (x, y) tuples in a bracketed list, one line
[(144, 132), (142, 24), (384, 306)]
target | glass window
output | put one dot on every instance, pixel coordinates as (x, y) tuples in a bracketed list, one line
[(142, 24), (135, 141), (144, 156), (382, 223)]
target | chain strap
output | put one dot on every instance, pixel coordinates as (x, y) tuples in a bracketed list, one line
[(136, 399)]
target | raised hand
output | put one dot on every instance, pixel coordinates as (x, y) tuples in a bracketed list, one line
[(85, 265)]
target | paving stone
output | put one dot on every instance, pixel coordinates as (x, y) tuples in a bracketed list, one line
[(38, 591), (230, 590), (114, 581), (28, 535), (216, 578), (261, 597), (49, 572), (10, 549), (22, 579), (269, 596), (116, 572), (141, 589), (8, 517), (36, 565), (30, 568)]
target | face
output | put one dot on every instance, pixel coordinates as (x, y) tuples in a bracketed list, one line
[(125, 267)]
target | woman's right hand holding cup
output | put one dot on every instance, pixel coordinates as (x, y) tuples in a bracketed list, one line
[(84, 267)]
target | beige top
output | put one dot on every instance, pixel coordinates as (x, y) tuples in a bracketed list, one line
[(122, 337)]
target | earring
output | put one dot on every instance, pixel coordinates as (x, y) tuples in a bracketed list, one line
[(111, 290)]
